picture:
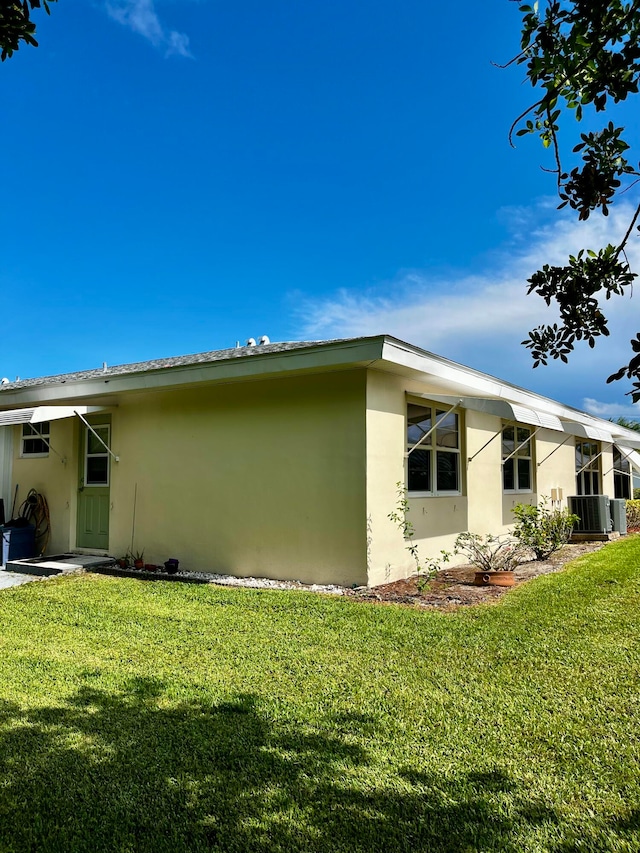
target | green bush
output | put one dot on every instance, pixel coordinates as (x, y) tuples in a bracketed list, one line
[(633, 512), (636, 494), (542, 529)]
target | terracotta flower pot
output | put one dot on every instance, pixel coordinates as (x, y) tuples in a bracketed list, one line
[(138, 564), (494, 579)]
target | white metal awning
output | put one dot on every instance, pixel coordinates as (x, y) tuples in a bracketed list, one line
[(38, 414), (584, 431), (502, 409), (630, 455)]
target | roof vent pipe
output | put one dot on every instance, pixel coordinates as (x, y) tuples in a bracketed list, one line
[(264, 340), (251, 342), (104, 366)]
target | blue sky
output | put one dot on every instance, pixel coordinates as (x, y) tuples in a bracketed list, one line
[(178, 176)]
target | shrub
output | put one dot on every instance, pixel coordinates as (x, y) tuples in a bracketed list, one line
[(633, 513), (490, 553), (541, 529)]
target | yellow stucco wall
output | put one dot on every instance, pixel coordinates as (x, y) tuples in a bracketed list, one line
[(263, 478), (290, 478), (481, 508), (54, 476)]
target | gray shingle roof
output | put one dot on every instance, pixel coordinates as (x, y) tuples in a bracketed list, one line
[(163, 363)]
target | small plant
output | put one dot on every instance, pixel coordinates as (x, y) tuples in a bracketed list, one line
[(490, 553), (633, 512), (138, 559), (542, 529), (399, 517), (124, 560)]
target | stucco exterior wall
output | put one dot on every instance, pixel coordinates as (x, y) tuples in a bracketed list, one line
[(290, 478), (263, 479), (482, 507), (55, 476)]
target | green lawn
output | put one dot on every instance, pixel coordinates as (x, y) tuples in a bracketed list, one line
[(139, 716)]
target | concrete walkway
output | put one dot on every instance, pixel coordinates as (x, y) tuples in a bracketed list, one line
[(8, 579), (41, 568)]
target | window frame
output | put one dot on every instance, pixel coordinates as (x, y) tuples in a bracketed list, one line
[(580, 474), (97, 455), (622, 479), (516, 455), (36, 431), (437, 410)]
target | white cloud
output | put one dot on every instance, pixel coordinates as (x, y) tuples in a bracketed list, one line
[(480, 319), (141, 17), (611, 410)]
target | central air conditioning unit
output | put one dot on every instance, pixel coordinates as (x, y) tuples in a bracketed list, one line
[(619, 515), (593, 511)]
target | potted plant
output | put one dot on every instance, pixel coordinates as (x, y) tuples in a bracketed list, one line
[(138, 559), (495, 557), (123, 561)]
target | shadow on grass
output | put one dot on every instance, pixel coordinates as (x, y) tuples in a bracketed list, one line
[(123, 772)]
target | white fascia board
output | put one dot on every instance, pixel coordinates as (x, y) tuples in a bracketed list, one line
[(432, 365), (340, 356), (482, 385)]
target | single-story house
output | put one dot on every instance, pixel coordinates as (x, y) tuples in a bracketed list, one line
[(285, 460)]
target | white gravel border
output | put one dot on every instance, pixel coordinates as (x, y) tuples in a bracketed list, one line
[(229, 580), (261, 583)]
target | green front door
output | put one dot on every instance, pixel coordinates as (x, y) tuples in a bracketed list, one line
[(93, 489)]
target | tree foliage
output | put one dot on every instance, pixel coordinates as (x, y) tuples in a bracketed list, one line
[(583, 56), (627, 423), (16, 24)]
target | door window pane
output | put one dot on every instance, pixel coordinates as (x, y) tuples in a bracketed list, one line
[(93, 443), (97, 471)]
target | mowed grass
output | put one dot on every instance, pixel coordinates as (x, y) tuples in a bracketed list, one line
[(140, 716)]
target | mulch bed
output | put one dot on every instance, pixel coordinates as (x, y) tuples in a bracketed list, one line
[(453, 588)]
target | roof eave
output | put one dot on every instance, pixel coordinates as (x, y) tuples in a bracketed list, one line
[(338, 355)]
